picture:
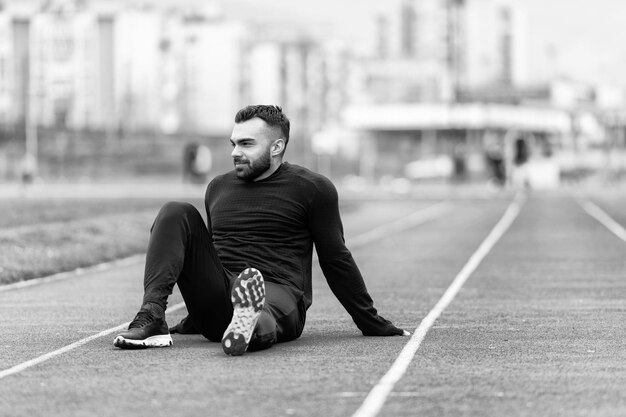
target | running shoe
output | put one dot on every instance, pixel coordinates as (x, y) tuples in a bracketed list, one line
[(145, 331), (248, 298)]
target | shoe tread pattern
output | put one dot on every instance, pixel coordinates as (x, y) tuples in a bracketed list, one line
[(248, 298)]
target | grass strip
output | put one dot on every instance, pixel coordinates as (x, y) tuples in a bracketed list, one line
[(25, 212), (35, 251)]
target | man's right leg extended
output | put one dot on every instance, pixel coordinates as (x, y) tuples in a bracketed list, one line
[(180, 251)]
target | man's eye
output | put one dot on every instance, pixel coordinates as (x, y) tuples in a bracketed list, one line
[(242, 144)]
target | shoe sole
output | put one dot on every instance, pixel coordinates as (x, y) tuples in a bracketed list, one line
[(248, 298), (164, 340)]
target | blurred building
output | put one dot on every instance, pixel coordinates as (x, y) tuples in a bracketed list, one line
[(448, 87), (163, 71), (58, 65), (265, 69), (439, 50), (182, 71), (70, 68), (213, 74), (15, 44), (144, 71), (309, 79), (6, 74), (105, 80), (493, 37), (137, 69), (410, 62)]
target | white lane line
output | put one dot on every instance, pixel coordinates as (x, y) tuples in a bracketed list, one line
[(376, 398), (43, 358), (411, 220), (601, 216), (104, 266), (404, 223)]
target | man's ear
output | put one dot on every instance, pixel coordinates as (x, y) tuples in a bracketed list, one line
[(278, 147)]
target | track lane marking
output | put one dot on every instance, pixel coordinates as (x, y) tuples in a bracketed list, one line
[(406, 222), (376, 398), (600, 215), (411, 220), (45, 357)]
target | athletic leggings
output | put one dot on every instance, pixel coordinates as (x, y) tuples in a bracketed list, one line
[(180, 251)]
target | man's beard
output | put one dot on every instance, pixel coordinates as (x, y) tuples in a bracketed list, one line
[(250, 170)]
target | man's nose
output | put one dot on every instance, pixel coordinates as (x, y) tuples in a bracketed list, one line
[(236, 152)]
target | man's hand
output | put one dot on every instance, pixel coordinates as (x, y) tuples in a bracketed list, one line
[(386, 328), (397, 331)]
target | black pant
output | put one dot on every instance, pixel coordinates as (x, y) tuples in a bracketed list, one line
[(181, 251)]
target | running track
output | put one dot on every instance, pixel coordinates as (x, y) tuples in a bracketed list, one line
[(521, 304)]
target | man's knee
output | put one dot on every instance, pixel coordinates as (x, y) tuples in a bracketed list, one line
[(174, 211), (177, 208)]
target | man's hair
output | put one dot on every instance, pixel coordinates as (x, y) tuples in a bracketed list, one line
[(272, 115)]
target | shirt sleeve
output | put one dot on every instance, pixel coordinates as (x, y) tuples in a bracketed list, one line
[(207, 208), (338, 265)]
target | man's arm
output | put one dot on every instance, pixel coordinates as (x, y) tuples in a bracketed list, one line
[(340, 269), (207, 209)]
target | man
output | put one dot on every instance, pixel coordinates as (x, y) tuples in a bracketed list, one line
[(246, 276)]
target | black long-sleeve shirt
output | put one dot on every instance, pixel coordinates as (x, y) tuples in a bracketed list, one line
[(272, 225)]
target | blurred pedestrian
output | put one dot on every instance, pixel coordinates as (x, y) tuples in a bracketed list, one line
[(245, 276), (197, 163), (495, 159), (189, 156), (521, 155), (459, 163)]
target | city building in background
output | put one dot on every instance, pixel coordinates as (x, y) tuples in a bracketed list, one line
[(442, 49), (213, 74), (100, 81), (101, 88), (448, 87), (7, 83), (493, 37)]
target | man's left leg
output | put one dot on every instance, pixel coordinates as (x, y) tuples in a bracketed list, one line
[(258, 325)]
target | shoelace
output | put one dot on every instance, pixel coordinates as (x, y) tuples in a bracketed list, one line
[(141, 319)]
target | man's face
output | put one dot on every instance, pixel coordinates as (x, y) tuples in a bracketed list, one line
[(252, 141)]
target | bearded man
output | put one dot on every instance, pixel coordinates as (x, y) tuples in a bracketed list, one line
[(245, 276)]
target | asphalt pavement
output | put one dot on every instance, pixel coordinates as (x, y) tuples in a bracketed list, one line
[(537, 328)]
